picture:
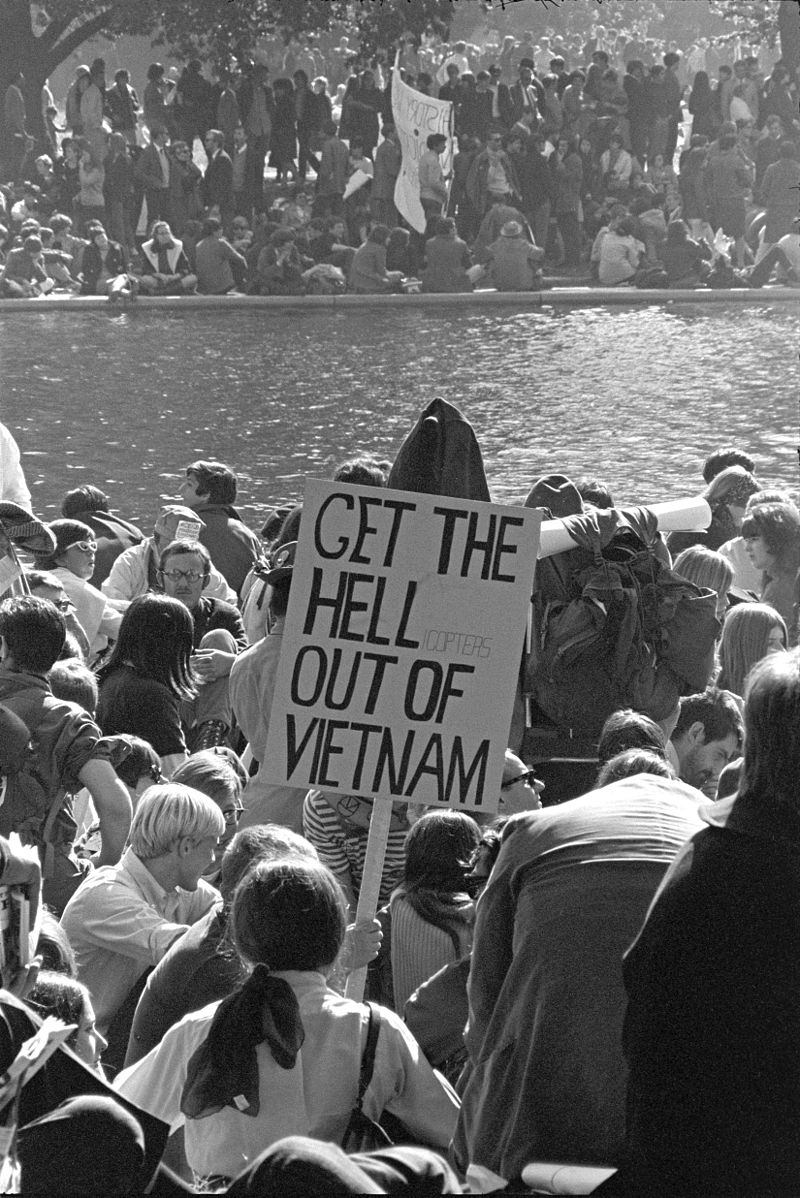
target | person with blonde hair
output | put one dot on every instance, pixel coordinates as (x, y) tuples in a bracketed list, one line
[(750, 633), (706, 568), (124, 917)]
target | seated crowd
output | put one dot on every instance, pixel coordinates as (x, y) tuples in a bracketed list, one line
[(575, 171), (199, 924)]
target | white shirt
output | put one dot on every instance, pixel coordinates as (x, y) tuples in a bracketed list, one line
[(13, 488), (129, 576), (99, 617), (120, 921), (314, 1098), (745, 575)]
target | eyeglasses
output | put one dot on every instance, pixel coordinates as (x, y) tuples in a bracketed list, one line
[(232, 816), (529, 777), (63, 604), (84, 546), (177, 575)]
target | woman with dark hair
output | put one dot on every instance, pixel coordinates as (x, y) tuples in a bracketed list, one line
[(702, 107), (447, 259), (360, 109), (685, 260), (69, 1000), (368, 273), (147, 676), (771, 534), (308, 116), (283, 141), (154, 112), (282, 1055), (73, 563), (398, 251), (431, 911), (185, 180), (104, 265), (693, 187), (567, 169)]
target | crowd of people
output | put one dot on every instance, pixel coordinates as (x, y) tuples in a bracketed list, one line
[(612, 160), (596, 974)]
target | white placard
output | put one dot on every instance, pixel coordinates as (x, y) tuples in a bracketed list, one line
[(187, 530), (402, 645), (416, 116)]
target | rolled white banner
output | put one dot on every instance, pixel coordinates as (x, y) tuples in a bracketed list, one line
[(564, 1179), (675, 515)]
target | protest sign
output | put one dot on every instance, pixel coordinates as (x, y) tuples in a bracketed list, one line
[(402, 646), (416, 116)]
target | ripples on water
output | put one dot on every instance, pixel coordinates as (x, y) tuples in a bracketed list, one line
[(635, 396)]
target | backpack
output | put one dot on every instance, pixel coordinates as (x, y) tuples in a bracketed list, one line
[(614, 626), (28, 806)]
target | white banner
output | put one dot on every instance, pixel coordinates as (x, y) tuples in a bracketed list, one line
[(402, 645), (415, 117)]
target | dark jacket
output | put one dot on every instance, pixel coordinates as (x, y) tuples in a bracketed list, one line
[(218, 181), (712, 1029), (447, 260), (234, 548), (478, 179), (517, 99)]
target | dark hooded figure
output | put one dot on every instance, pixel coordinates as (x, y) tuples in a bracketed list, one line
[(441, 456)]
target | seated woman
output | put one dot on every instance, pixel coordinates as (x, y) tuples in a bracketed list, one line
[(685, 261), (165, 269), (70, 1001), (368, 273), (431, 911), (751, 631), (620, 253), (282, 1055), (280, 268), (616, 165), (447, 260), (771, 534), (147, 676), (72, 563), (105, 267), (114, 534)]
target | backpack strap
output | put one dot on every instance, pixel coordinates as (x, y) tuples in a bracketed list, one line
[(368, 1056)]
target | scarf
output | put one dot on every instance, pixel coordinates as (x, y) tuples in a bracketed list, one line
[(223, 1071)]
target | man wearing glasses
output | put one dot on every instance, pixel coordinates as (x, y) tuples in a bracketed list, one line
[(135, 572), (219, 636)]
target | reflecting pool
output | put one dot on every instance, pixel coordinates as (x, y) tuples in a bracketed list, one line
[(636, 396)]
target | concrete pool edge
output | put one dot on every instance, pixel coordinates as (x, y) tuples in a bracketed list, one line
[(555, 297)]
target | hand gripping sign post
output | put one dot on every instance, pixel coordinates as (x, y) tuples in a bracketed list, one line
[(401, 651)]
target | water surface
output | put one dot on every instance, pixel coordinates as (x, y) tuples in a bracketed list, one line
[(637, 397)]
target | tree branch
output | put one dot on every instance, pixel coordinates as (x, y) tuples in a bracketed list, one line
[(83, 33)]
